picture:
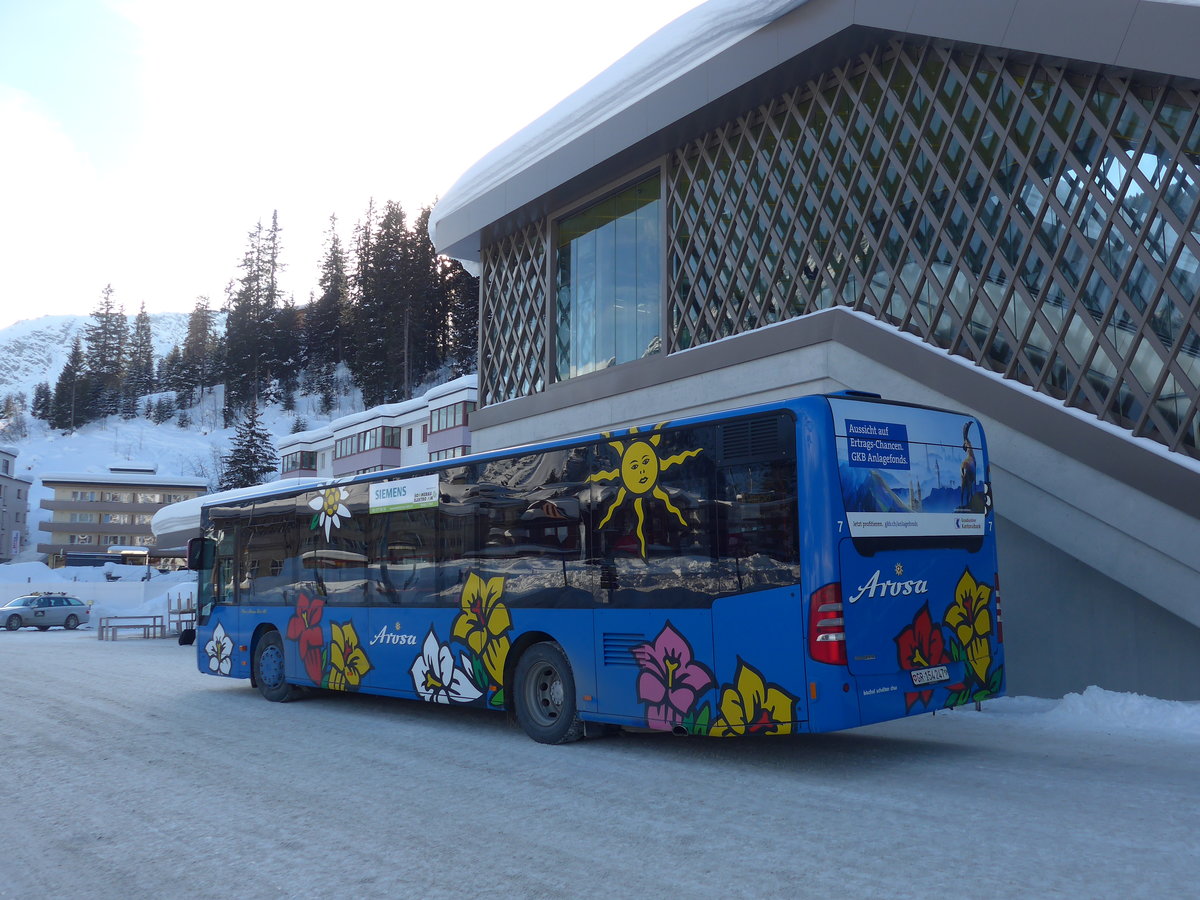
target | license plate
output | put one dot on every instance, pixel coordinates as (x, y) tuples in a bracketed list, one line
[(931, 675)]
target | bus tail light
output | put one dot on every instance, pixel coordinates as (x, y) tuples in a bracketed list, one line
[(999, 614), (826, 626)]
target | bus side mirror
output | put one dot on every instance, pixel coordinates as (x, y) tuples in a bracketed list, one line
[(201, 552)]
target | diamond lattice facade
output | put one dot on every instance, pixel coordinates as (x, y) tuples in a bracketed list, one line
[(1035, 217)]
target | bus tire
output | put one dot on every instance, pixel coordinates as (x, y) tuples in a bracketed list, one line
[(268, 668), (544, 700)]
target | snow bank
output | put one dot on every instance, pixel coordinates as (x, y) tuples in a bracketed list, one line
[(1097, 709)]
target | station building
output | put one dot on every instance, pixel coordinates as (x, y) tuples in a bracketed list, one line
[(988, 205)]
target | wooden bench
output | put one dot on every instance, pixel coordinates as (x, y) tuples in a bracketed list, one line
[(150, 626)]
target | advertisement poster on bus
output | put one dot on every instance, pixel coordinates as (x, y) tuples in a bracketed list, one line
[(907, 471), (404, 493)]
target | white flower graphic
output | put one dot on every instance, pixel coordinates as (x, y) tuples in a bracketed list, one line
[(329, 508), (435, 677), (220, 651)]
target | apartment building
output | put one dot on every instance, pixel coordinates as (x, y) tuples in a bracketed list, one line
[(92, 512), (14, 507), (433, 426)]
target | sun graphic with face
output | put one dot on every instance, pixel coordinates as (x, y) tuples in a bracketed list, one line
[(329, 509), (638, 474)]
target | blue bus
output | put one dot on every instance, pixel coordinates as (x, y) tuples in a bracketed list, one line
[(803, 566)]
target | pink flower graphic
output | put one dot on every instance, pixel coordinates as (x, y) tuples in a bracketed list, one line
[(670, 680)]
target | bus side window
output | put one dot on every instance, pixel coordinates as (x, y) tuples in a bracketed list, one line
[(461, 519), (757, 488), (401, 558)]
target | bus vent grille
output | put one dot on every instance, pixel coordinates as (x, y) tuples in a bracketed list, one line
[(618, 647), (751, 439)]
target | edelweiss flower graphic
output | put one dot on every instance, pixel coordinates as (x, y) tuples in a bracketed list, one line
[(219, 651), (329, 509)]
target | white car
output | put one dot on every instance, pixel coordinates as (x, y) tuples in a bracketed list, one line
[(43, 610)]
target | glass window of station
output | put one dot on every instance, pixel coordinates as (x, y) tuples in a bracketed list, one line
[(608, 281)]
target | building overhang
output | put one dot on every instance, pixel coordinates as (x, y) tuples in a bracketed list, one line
[(713, 62)]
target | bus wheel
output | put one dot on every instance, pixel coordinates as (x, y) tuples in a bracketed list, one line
[(545, 695), (268, 668)]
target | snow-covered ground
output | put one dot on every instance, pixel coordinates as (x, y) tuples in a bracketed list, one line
[(132, 775)]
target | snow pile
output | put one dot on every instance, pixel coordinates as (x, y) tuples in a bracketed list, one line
[(29, 572), (1097, 709)]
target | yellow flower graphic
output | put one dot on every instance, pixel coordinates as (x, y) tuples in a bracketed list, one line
[(484, 622), (751, 706), (638, 474), (347, 661), (971, 620)]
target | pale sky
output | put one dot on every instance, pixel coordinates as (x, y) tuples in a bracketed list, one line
[(142, 140)]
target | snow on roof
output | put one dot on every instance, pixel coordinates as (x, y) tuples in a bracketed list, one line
[(674, 49), (124, 478), (383, 411), (184, 516)]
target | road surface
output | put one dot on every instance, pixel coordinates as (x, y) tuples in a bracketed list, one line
[(129, 775)]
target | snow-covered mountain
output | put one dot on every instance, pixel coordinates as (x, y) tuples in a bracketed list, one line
[(35, 350)]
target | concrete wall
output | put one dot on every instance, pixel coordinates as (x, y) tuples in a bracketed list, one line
[(1067, 626)]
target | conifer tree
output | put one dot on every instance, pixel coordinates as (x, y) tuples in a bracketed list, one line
[(106, 339), (129, 405), (428, 332), (326, 315), (70, 391), (13, 426), (252, 455), (139, 370), (382, 317), (164, 409), (288, 353), (43, 401), (200, 354), (12, 418), (251, 347), (460, 305)]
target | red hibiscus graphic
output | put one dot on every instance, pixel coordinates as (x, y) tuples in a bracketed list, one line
[(305, 627), (920, 645)]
